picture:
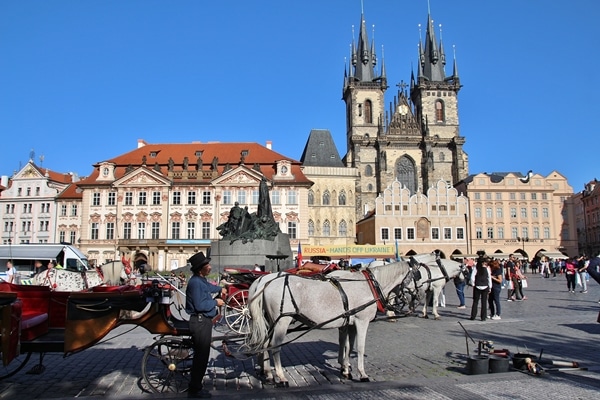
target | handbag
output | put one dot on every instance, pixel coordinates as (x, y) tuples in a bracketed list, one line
[(510, 285), (524, 283)]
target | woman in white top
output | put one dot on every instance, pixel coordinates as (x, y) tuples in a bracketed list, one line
[(10, 272)]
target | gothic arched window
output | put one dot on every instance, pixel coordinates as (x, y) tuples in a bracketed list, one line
[(311, 228), (368, 170), (326, 197), (342, 198), (326, 228), (406, 173), (343, 228), (440, 111), (368, 112), (311, 198)]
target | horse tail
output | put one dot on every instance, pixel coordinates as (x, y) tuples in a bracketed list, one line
[(259, 326)]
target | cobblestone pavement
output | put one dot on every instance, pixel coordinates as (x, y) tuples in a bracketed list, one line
[(413, 358)]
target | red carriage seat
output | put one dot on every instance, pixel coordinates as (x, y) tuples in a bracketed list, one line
[(35, 306)]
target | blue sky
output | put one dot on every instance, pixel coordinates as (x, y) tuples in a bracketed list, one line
[(82, 81)]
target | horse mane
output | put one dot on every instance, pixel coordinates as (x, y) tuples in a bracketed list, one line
[(388, 272)]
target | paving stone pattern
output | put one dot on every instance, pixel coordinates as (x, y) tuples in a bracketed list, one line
[(412, 358)]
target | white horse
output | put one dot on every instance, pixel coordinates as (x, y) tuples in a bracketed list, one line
[(430, 276), (343, 299), (64, 280)]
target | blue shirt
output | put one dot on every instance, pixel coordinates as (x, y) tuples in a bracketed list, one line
[(198, 297)]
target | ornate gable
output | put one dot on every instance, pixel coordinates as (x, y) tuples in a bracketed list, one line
[(240, 176), (142, 177)]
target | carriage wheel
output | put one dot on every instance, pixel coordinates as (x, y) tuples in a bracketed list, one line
[(167, 363), (237, 314), (14, 366)]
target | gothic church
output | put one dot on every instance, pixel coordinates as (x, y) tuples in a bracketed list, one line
[(417, 140)]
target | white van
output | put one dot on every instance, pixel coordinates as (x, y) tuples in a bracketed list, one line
[(24, 256)]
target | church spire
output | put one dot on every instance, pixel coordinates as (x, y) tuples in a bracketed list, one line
[(431, 55), (363, 56)]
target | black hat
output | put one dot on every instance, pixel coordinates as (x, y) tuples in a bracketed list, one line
[(198, 261)]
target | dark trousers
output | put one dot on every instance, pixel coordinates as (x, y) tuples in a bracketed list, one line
[(494, 301), (571, 281), (201, 331), (483, 295)]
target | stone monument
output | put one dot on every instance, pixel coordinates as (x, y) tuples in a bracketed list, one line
[(252, 238)]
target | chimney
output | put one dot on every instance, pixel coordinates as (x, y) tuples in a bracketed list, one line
[(269, 146), (141, 143)]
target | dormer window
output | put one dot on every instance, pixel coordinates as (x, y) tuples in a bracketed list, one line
[(245, 153), (105, 171), (153, 154), (198, 153)]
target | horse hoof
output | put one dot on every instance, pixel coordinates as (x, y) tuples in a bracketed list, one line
[(365, 380), (424, 316), (438, 318), (285, 384)]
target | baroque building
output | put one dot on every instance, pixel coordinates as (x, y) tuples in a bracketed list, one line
[(162, 203), (417, 140), (512, 213), (589, 229), (29, 205)]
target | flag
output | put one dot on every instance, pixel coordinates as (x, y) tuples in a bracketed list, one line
[(397, 254), (299, 255)]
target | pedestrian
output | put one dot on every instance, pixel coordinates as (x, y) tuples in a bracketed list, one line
[(582, 273), (10, 272), (508, 269), (482, 282), (593, 269), (570, 274), (544, 267), (494, 296), (519, 281), (39, 267), (202, 308), (460, 281)]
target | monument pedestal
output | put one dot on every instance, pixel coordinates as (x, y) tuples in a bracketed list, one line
[(225, 254)]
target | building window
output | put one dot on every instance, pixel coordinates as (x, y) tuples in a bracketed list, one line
[(241, 196), (478, 233), (73, 210), (128, 198), (326, 198), (191, 198), (512, 196), (439, 111), (524, 232), (155, 230), (141, 230), (514, 233), (533, 196), (488, 212), (544, 196), (94, 231), (72, 238), (206, 197), (227, 197), (385, 234), (513, 212), (292, 230), (155, 198), (142, 198), (368, 112), (292, 197), (311, 198), (477, 212), (523, 196), (546, 233), (499, 213), (410, 233), (342, 198), (368, 170), (343, 228), (176, 198), (127, 230), (477, 196), (460, 233), (275, 197), (447, 233), (435, 233), (63, 210), (490, 232), (488, 196), (545, 213), (536, 232), (96, 199), (110, 230), (191, 230), (111, 199), (326, 228), (311, 228), (255, 196), (175, 227), (61, 236), (534, 212), (523, 212), (398, 233), (500, 232), (205, 230), (498, 196)]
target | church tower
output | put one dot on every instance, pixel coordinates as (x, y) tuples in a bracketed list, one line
[(416, 141), (363, 94)]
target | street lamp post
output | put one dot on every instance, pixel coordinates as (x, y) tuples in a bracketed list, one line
[(523, 240)]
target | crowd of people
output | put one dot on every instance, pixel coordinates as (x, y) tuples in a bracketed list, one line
[(488, 276)]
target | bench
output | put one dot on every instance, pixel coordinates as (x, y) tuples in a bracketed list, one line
[(35, 302)]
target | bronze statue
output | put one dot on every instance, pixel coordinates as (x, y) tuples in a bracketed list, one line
[(185, 163), (171, 164)]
